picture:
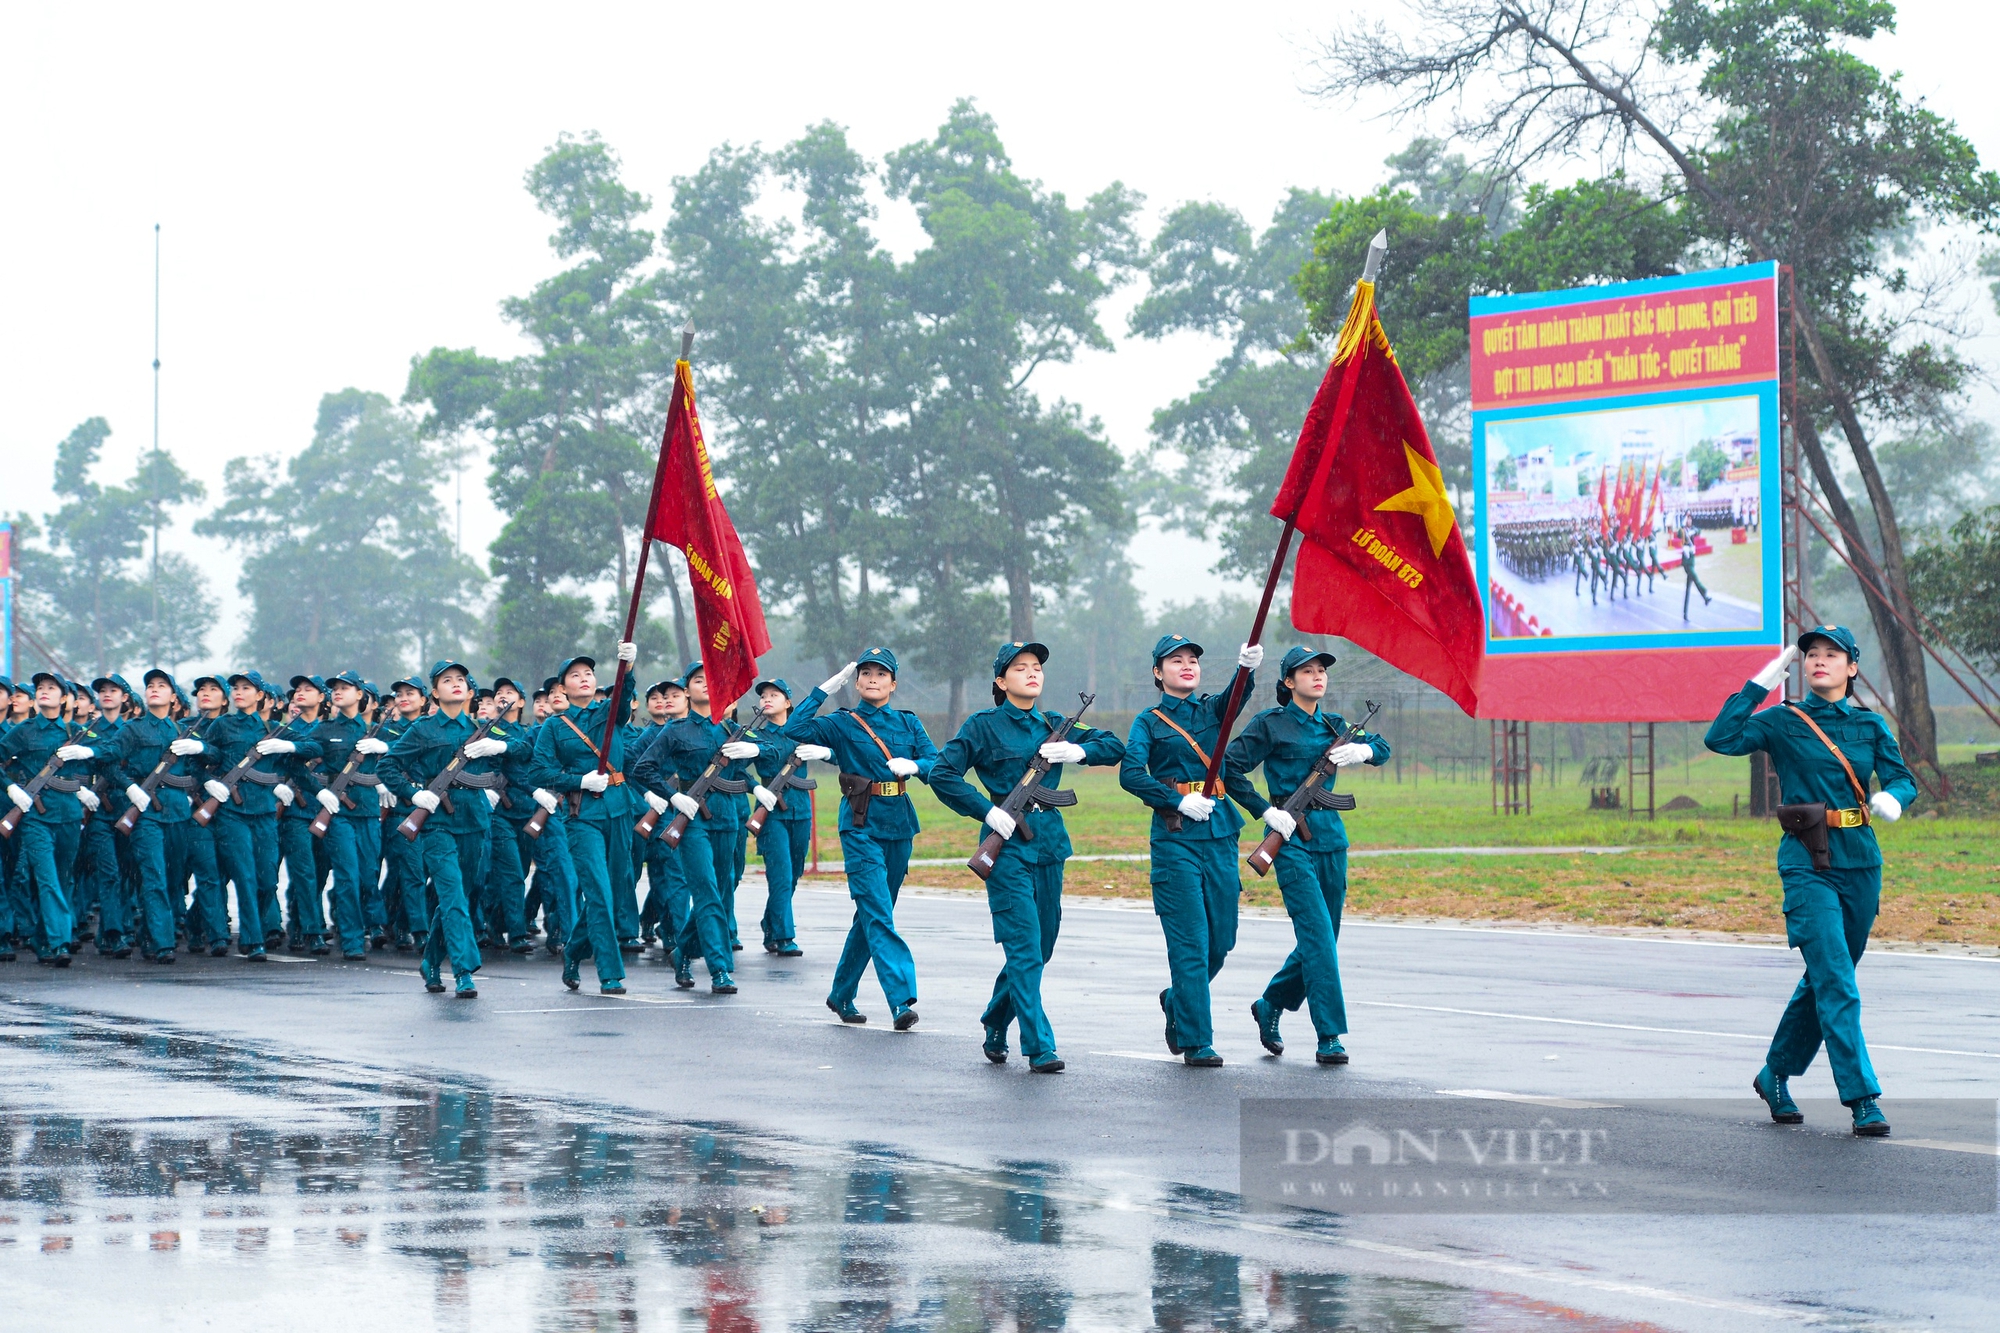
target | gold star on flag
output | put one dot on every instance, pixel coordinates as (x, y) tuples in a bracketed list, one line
[(1425, 498)]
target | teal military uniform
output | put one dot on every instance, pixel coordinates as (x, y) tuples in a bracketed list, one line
[(675, 757), (48, 834), (297, 848), (99, 877), (877, 854), (1196, 884), (452, 840), (513, 850), (354, 835), (1312, 872), (565, 751), (159, 838), (785, 837), (246, 829), (1828, 913), (1024, 892)]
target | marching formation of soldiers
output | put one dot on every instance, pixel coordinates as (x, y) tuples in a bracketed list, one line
[(1619, 565), (451, 818)]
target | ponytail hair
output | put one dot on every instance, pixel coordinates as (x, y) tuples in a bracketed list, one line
[(1284, 693), (999, 695)]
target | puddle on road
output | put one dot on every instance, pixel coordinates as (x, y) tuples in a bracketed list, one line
[(183, 1182)]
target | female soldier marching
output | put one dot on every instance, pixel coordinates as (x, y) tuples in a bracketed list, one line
[(1824, 748), (1024, 891), (1196, 882)]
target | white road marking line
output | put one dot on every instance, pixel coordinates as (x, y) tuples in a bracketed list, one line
[(1947, 1145), (1141, 1055), (1640, 1027), (1560, 1103)]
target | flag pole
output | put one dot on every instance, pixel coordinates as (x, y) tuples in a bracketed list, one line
[(611, 718), (1240, 683)]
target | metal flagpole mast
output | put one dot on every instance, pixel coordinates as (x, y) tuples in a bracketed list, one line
[(639, 572), (154, 467), (1377, 248)]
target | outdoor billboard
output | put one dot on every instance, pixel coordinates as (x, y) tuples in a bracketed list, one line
[(1625, 460)]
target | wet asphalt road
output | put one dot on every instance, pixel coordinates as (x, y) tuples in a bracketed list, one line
[(328, 1140)]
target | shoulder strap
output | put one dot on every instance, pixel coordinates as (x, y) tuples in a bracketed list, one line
[(1193, 744), (564, 717), (1860, 791), (859, 721)]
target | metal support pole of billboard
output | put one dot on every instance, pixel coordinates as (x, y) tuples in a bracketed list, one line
[(1638, 764), (1513, 768)]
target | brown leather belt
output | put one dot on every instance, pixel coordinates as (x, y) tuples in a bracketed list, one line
[(1189, 788), (895, 788)]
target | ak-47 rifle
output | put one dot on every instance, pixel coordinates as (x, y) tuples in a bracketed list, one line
[(344, 779), (711, 782), (786, 780), (151, 782), (12, 819), (240, 774), (1029, 794), (451, 775), (1310, 794)]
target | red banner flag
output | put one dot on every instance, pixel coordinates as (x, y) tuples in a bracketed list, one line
[(1383, 562), (688, 515)]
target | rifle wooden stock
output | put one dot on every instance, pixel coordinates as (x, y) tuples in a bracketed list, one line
[(1267, 852), (646, 824), (675, 831), (987, 856), (758, 815), (413, 824), (10, 821), (127, 821), (536, 822), (322, 822), (205, 812)]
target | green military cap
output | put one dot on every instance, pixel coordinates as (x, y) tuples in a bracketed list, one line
[(1173, 643), (158, 673), (568, 662), (35, 681), (551, 683), (250, 678), (881, 657), (662, 686), (216, 681), (693, 668), (317, 682), (778, 683), (421, 687), (508, 681), (444, 664), (1839, 636), (347, 678), (1298, 657), (1007, 652), (113, 679)]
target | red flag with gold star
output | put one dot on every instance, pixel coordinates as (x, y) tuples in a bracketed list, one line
[(1383, 562)]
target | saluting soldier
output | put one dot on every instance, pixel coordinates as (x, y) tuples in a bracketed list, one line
[(1312, 872), (452, 840), (787, 831), (1196, 883), (1024, 892), (1826, 748), (573, 764), (51, 826), (877, 750)]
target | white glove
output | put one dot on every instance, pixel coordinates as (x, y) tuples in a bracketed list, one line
[(425, 799), (903, 768), (493, 797), (328, 801), (275, 745), (371, 745), (485, 748), (388, 798), (594, 781), (740, 750), (1352, 753), (1281, 823), (686, 804), (88, 797), (1001, 822), (1062, 752), (20, 798), (838, 681), (137, 796), (657, 802), (213, 788), (186, 745), (545, 799), (765, 796), (1197, 807), (1250, 655), (628, 652), (1886, 806), (283, 793), (71, 754), (1773, 674), (808, 753)]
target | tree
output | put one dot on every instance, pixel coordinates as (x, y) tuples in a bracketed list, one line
[(160, 484), (348, 562), (574, 423), (1955, 579), (1789, 148), (1011, 279)]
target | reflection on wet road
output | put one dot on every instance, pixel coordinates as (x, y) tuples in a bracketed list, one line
[(180, 1182)]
